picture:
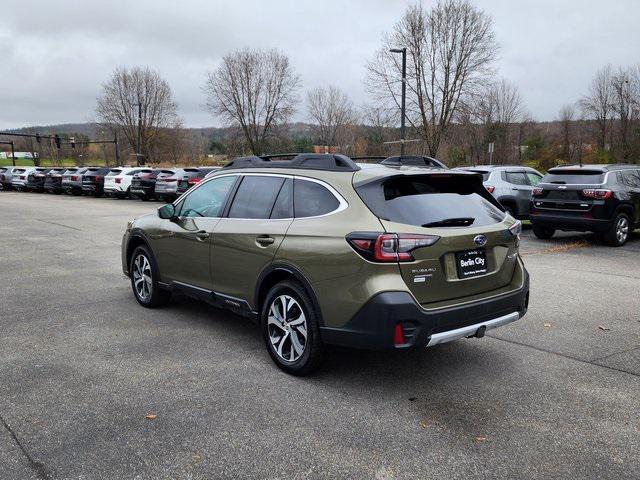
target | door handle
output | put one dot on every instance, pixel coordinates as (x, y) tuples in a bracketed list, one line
[(202, 235), (514, 188), (265, 240)]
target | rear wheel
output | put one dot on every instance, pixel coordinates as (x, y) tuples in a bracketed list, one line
[(618, 232), (543, 233), (144, 279), (290, 329)]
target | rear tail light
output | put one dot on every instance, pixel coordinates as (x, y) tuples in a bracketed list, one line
[(536, 192), (388, 247), (600, 194), (169, 179), (490, 188), (194, 180), (74, 178), (118, 180), (23, 177)]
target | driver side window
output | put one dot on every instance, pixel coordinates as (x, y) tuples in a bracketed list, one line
[(208, 199)]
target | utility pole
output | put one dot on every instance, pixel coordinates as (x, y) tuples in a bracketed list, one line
[(13, 153), (139, 142), (115, 143), (403, 51)]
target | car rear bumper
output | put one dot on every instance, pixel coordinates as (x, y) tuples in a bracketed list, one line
[(91, 187), (565, 221), (374, 325), (114, 189)]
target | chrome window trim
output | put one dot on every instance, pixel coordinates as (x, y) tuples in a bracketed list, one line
[(342, 203)]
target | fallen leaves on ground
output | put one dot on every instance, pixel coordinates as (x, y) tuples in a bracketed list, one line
[(151, 416), (481, 439), (602, 327), (546, 325), (424, 424)]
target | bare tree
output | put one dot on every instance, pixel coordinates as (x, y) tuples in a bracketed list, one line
[(331, 112), (598, 103), (117, 107), (567, 116), (450, 52), (492, 114), (626, 94), (255, 89)]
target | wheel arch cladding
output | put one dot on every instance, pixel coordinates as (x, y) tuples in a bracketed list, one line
[(274, 274), (135, 241)]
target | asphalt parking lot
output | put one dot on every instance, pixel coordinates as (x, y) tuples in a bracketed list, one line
[(555, 395)]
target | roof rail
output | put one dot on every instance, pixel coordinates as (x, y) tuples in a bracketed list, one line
[(370, 157), (309, 161), (413, 160)]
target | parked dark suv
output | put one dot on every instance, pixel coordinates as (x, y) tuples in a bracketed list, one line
[(93, 181), (604, 199), (193, 176), (143, 185), (320, 251)]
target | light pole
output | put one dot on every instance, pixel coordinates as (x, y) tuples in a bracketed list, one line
[(403, 51)]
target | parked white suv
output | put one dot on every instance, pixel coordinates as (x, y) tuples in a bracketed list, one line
[(20, 177), (118, 181)]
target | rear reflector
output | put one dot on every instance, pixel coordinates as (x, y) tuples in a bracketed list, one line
[(398, 335), (490, 188)]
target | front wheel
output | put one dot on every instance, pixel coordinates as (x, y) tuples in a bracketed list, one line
[(144, 279), (543, 233), (290, 327), (618, 232)]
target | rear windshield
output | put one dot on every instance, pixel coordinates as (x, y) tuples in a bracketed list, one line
[(432, 201), (114, 172), (19, 170), (580, 177)]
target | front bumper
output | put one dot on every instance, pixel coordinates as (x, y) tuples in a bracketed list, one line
[(374, 325)]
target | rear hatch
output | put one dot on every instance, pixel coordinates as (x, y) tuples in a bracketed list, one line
[(93, 176), (144, 180), (474, 250), (569, 190), (189, 177), (167, 180), (113, 178)]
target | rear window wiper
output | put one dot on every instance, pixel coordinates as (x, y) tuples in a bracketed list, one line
[(451, 222)]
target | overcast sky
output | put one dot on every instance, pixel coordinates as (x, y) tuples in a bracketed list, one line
[(55, 54)]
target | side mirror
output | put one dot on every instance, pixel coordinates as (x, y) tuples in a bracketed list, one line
[(167, 212)]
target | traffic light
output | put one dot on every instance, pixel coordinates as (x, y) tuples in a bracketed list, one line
[(57, 140)]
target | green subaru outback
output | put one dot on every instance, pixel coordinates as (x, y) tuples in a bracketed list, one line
[(320, 250)]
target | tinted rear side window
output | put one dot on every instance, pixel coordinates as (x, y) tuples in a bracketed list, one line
[(255, 197), (312, 199), (283, 208), (424, 200), (579, 177)]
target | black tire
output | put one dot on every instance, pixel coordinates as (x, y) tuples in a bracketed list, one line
[(145, 197), (313, 349), (619, 231), (543, 233), (157, 296)]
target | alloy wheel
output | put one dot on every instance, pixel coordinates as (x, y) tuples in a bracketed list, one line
[(287, 328), (142, 277), (622, 229)]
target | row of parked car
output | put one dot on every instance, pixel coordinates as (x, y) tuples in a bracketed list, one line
[(604, 199), (164, 184)]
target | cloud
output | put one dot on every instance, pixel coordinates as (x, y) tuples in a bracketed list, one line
[(56, 54)]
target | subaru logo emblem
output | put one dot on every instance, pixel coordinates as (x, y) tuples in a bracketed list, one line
[(480, 240)]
